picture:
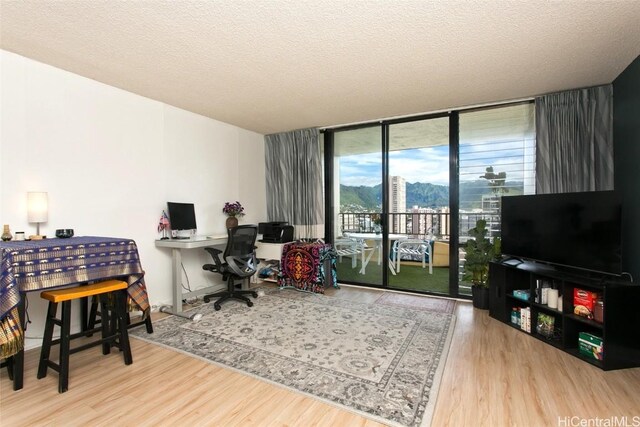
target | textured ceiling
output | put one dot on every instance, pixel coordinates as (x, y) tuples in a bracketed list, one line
[(272, 66)]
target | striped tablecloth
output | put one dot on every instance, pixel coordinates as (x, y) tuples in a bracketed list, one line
[(49, 263)]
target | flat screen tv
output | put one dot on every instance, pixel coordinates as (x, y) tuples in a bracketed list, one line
[(182, 216), (580, 230)]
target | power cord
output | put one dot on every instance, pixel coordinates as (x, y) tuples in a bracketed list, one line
[(194, 317), (188, 287), (27, 319)]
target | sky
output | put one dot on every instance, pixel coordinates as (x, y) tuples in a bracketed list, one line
[(429, 165)]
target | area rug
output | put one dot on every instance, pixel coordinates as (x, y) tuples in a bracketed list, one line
[(384, 362), (440, 305)]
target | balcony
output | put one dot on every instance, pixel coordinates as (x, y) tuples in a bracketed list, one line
[(418, 224), (435, 225)]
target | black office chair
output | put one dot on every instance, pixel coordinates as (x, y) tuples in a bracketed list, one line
[(238, 262)]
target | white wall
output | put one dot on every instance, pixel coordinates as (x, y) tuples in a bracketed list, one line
[(110, 160)]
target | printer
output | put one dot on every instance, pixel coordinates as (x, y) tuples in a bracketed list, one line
[(275, 232)]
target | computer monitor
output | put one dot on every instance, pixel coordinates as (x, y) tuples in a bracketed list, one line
[(182, 217)]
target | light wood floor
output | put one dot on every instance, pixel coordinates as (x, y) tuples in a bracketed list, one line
[(494, 376)]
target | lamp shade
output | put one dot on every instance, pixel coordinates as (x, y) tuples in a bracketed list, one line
[(37, 206)]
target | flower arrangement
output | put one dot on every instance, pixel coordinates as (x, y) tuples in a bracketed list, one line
[(233, 209), (376, 219)]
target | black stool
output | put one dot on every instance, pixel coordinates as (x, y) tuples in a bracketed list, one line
[(93, 316), (113, 326), (8, 362)]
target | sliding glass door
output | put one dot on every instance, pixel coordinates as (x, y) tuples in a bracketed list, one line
[(391, 185), (404, 193), (497, 159), (357, 200), (418, 206)]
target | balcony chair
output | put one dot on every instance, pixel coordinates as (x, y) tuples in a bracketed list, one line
[(238, 262), (348, 246), (412, 247)]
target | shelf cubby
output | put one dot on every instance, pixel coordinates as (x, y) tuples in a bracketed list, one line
[(620, 329)]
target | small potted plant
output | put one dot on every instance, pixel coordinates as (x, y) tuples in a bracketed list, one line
[(377, 223), (233, 210), (479, 252)]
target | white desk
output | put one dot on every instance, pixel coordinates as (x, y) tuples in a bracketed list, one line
[(177, 246), (377, 240), (269, 251), (263, 251)]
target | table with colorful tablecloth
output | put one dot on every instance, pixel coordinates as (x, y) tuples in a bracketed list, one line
[(308, 266), (42, 264)]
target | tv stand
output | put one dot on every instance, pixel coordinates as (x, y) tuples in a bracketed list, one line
[(619, 329), (512, 261)]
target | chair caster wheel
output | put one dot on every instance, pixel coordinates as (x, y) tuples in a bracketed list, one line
[(206, 299), (249, 303), (254, 294), (216, 306)]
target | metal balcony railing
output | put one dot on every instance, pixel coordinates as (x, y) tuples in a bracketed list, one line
[(419, 223)]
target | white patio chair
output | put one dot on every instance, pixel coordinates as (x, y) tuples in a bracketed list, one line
[(353, 248), (415, 247)]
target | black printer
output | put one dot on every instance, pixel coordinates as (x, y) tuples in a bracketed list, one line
[(275, 232)]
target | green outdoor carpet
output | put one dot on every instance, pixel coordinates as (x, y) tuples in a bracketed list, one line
[(411, 277)]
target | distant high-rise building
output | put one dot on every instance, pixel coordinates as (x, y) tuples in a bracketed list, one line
[(398, 203), (430, 222)]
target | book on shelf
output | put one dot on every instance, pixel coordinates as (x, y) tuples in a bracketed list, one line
[(525, 319), (542, 291)]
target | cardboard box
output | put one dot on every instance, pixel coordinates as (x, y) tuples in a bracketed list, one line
[(584, 302), (590, 345)]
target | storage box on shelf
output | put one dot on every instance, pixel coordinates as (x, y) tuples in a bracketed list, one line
[(548, 294)]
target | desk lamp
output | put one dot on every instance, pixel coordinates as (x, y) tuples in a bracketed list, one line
[(37, 210)]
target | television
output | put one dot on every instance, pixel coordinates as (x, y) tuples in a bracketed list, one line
[(182, 217), (579, 230)]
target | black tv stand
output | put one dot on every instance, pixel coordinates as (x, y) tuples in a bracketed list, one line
[(619, 330), (512, 261)]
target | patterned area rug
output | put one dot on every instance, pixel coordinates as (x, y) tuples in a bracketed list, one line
[(382, 361), (440, 305)]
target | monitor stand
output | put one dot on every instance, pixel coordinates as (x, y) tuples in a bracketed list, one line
[(182, 234)]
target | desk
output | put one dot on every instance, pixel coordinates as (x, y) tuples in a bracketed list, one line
[(177, 246), (43, 264), (263, 250), (377, 240), (269, 251)]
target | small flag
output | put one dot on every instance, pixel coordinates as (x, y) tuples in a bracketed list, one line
[(164, 222)]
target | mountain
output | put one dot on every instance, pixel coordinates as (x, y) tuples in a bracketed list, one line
[(427, 195), (424, 195), (367, 198)]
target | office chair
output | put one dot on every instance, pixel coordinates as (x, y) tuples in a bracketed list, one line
[(238, 262)]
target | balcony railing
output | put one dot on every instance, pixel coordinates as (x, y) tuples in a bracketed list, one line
[(419, 223)]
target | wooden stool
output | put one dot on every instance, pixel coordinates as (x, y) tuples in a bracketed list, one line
[(92, 316), (113, 326), (8, 362)]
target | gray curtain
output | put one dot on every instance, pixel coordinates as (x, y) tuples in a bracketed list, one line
[(574, 139), (294, 181)]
